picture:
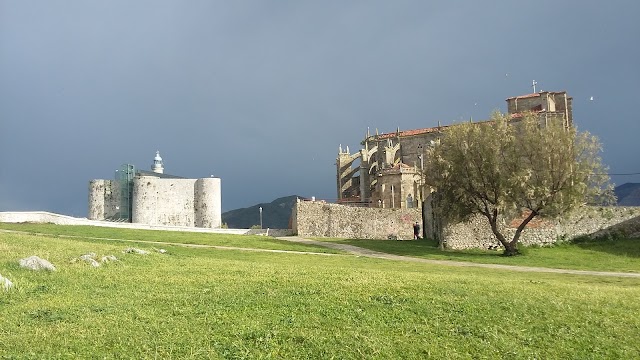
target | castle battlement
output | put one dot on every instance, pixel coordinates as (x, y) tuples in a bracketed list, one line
[(156, 198)]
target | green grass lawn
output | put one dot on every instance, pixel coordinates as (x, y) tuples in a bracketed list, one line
[(243, 241), (209, 303), (598, 255)]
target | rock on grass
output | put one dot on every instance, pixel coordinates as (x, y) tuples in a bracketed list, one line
[(5, 283), (36, 263), (135, 251)]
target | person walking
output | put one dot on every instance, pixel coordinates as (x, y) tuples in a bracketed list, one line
[(416, 231)]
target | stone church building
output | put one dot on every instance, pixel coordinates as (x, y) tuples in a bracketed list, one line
[(386, 172)]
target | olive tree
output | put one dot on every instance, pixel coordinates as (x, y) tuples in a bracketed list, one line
[(506, 167)]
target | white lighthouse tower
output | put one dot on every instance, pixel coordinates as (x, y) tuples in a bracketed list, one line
[(157, 164)]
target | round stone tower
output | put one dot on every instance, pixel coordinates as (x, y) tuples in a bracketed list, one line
[(96, 199), (207, 203)]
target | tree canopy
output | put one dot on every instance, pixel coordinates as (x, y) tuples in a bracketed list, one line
[(509, 166)]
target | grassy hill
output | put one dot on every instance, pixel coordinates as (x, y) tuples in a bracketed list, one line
[(213, 303), (275, 215)]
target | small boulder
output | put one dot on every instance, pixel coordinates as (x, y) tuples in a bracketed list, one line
[(36, 263), (135, 251), (162, 251), (5, 283), (91, 259), (108, 258)]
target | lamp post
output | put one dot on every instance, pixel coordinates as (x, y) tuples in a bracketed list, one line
[(260, 209)]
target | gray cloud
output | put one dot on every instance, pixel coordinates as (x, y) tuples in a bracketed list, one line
[(261, 94)]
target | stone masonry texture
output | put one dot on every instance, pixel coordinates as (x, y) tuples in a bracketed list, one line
[(320, 219), (591, 221)]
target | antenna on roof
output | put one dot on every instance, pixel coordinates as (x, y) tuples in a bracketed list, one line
[(533, 84)]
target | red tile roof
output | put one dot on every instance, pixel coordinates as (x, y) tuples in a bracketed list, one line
[(421, 131), (413, 132)]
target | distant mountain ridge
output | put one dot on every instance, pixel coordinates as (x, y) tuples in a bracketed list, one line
[(628, 194), (275, 215)]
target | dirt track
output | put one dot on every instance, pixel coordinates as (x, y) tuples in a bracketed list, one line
[(375, 254), (368, 253)]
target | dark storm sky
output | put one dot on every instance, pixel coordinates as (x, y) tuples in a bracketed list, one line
[(261, 93)]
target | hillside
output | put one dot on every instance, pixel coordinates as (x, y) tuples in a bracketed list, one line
[(275, 215), (200, 303), (628, 194)]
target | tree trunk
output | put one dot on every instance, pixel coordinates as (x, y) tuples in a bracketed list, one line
[(511, 249), (493, 221)]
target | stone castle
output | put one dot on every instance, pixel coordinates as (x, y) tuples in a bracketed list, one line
[(386, 172), (156, 198)]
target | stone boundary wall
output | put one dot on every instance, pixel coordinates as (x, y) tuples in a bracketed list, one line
[(589, 221), (47, 217), (320, 219)]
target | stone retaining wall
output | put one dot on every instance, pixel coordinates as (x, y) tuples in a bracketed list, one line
[(320, 219), (586, 221)]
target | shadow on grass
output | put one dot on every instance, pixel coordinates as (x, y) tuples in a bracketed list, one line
[(614, 240), (614, 246)]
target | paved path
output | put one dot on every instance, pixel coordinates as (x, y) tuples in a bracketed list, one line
[(380, 255)]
